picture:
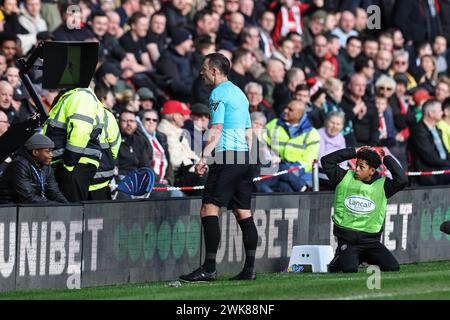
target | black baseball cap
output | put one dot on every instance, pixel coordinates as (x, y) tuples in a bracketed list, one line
[(199, 109), (109, 67)]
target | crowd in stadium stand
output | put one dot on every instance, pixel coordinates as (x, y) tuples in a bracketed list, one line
[(320, 75)]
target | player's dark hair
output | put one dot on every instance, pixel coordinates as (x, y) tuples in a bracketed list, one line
[(370, 156), (219, 61)]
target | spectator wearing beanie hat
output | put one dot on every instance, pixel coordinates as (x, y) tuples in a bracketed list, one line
[(147, 99), (314, 25), (108, 75), (175, 64), (29, 177), (197, 125)]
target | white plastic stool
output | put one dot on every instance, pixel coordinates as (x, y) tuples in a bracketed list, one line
[(318, 257)]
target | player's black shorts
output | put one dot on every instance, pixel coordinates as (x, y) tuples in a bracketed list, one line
[(230, 185)]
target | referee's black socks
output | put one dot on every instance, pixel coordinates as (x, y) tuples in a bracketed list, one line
[(250, 238), (211, 232)]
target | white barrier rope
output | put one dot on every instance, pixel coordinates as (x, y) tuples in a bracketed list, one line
[(427, 173), (261, 178), (254, 180)]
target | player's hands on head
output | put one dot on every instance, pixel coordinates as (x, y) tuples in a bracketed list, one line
[(363, 148), (381, 153)]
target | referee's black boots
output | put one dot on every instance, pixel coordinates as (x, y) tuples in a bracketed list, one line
[(245, 274), (199, 275)]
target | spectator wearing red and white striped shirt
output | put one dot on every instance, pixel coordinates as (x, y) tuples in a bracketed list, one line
[(148, 120), (288, 18)]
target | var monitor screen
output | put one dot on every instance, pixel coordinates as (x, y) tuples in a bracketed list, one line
[(69, 64)]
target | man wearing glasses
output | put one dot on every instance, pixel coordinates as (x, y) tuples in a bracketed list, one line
[(158, 141), (401, 65), (134, 152), (148, 122)]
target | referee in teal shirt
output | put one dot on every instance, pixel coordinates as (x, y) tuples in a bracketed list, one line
[(230, 176)]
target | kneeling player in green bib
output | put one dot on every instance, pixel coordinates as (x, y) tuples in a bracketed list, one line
[(360, 207)]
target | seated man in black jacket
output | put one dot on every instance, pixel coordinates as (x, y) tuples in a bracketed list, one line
[(361, 112), (427, 148), (360, 207), (29, 177), (134, 152)]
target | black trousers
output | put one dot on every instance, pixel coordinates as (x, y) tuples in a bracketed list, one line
[(75, 184), (349, 256), (100, 194)]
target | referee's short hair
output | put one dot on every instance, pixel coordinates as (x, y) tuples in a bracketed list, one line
[(219, 61)]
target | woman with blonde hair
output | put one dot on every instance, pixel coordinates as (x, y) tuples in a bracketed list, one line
[(428, 64), (126, 100), (334, 89), (325, 100)]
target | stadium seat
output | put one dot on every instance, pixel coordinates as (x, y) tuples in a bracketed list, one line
[(138, 183), (318, 257)]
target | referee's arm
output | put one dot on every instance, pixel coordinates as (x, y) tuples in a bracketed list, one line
[(213, 139), (249, 137)]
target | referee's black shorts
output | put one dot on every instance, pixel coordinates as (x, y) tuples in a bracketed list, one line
[(230, 184)]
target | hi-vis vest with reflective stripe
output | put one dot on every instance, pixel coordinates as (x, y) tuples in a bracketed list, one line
[(110, 140), (360, 206), (74, 124), (303, 149)]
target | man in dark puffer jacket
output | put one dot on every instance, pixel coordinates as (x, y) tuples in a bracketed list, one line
[(29, 177)]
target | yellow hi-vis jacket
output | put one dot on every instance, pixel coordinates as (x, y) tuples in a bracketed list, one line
[(110, 140), (74, 124), (303, 147)]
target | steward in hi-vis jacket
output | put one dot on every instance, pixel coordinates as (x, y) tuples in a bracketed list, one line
[(110, 140), (75, 123)]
